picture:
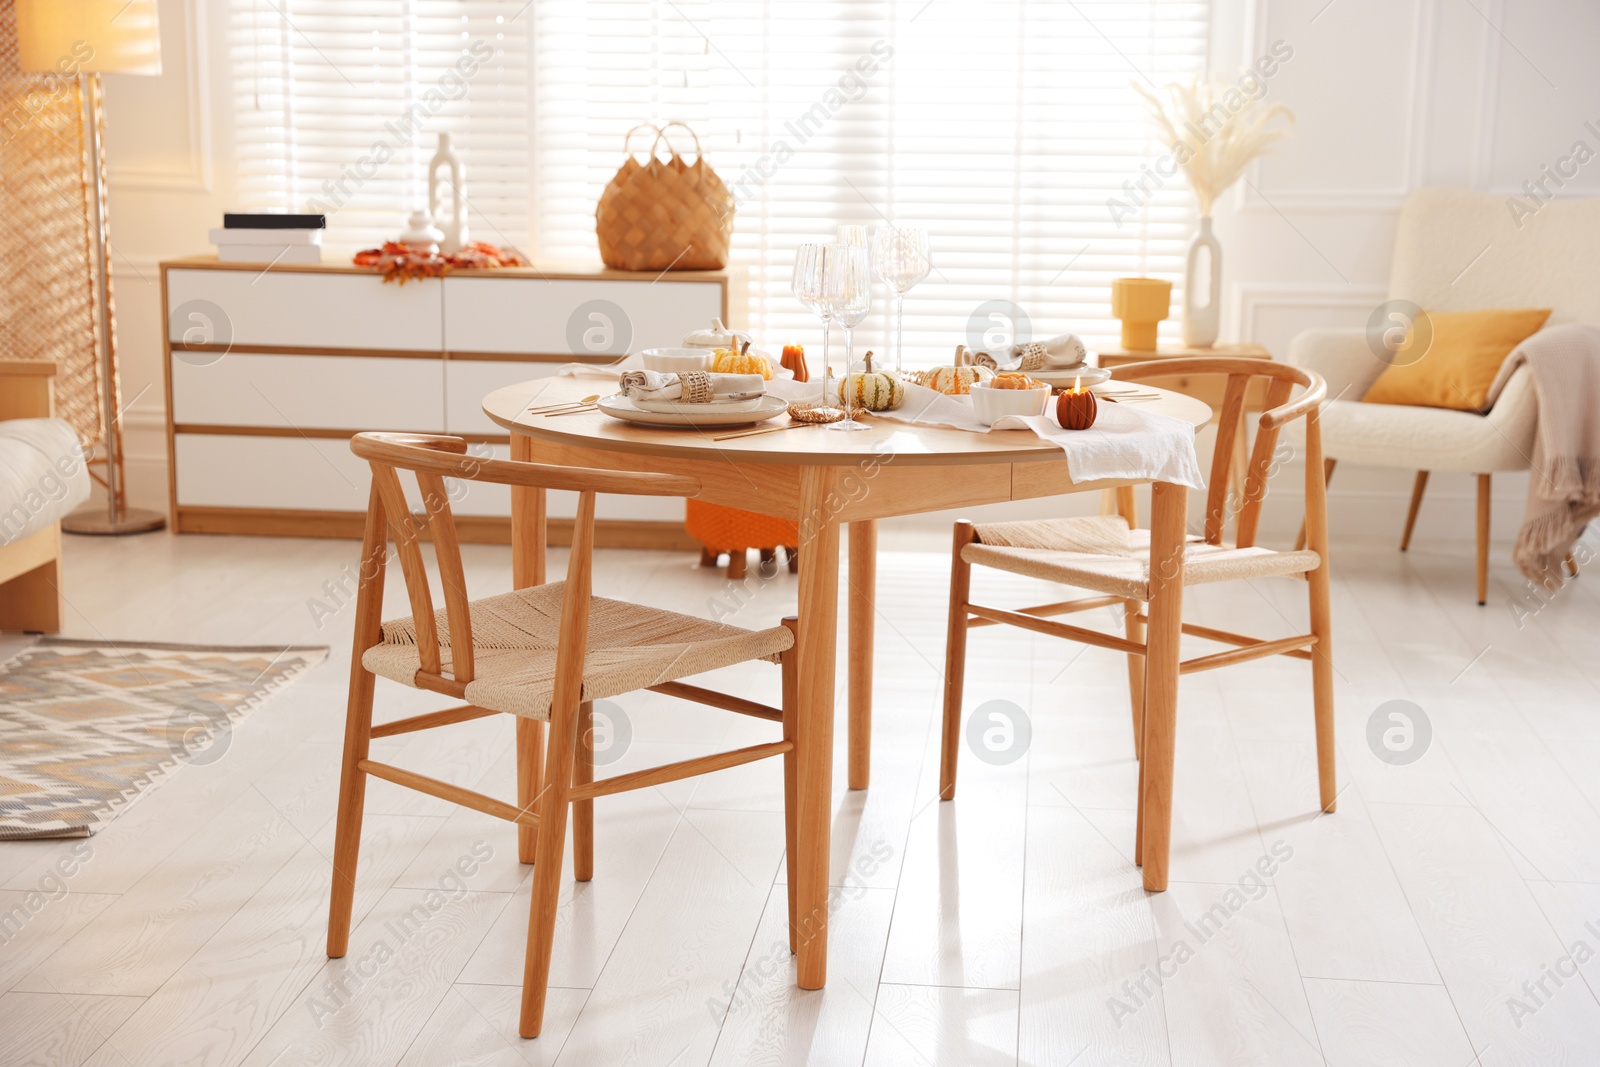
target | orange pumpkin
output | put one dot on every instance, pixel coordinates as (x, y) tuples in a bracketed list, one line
[(1013, 381), (727, 361)]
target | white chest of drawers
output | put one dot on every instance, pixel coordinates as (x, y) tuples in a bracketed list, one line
[(270, 371)]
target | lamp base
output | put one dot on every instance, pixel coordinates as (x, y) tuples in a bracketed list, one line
[(93, 519)]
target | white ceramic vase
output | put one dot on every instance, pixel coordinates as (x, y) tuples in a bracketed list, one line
[(447, 199), (420, 234), (1202, 288)]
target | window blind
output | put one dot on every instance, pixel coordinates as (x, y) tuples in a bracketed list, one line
[(1004, 128), (338, 107)]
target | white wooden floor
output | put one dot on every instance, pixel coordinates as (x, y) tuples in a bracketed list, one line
[(1447, 915)]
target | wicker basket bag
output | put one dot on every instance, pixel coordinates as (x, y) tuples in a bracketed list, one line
[(664, 215)]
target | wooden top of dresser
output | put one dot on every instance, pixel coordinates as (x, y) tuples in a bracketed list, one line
[(563, 272)]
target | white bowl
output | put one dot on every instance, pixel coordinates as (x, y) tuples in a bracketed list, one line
[(677, 360), (991, 404)]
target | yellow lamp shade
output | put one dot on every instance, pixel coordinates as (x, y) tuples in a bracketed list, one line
[(68, 36)]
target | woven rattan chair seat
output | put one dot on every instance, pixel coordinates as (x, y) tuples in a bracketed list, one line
[(630, 647), (1104, 555)]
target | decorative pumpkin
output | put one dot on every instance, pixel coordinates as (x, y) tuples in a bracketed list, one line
[(1013, 381), (874, 390), (955, 381), (794, 360), (1076, 409), (727, 361)]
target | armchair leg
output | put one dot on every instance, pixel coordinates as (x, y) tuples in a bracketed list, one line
[(1134, 629), (1327, 478), (1128, 508), (352, 803), (1322, 685), (1483, 539), (583, 810), (1416, 505), (791, 783), (553, 807), (955, 659), (530, 779)]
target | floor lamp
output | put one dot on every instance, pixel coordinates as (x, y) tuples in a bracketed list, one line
[(82, 39)]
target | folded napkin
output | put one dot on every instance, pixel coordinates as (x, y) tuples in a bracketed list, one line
[(1067, 350), (695, 387), (1124, 442)]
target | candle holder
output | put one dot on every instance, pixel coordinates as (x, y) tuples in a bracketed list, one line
[(1076, 408)]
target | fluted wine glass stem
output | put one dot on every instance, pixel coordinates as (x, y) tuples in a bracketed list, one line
[(899, 332), (827, 365), (845, 400)]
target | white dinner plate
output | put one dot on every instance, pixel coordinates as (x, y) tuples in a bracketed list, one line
[(1063, 379), (691, 415), (674, 407)]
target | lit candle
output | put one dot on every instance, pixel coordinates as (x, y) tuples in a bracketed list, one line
[(1076, 408)]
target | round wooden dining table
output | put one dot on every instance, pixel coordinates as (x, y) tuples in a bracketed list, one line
[(824, 480)]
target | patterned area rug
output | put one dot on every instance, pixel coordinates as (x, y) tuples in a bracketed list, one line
[(87, 727)]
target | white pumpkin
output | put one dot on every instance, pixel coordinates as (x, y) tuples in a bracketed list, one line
[(874, 390), (955, 381)]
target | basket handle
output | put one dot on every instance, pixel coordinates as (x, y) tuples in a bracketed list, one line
[(627, 139), (661, 134)]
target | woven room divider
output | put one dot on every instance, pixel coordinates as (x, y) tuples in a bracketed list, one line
[(47, 291)]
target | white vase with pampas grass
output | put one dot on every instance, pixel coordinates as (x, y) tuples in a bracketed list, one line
[(1214, 130)]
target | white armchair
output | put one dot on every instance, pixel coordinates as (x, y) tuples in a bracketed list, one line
[(1459, 250)]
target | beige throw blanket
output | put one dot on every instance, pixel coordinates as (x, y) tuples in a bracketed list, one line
[(1564, 490)]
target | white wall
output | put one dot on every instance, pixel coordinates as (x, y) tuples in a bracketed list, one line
[(1390, 95), (168, 149)]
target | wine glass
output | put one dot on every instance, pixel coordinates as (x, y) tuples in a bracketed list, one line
[(852, 233), (848, 289), (809, 285), (900, 257)]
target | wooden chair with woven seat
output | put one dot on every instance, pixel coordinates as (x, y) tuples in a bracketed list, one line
[(1109, 557), (545, 652)]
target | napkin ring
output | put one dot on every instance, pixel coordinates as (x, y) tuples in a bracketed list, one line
[(1033, 356), (696, 387)]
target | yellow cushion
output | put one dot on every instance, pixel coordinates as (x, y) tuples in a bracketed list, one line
[(1460, 364)]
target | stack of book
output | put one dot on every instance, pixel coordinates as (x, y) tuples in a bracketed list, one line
[(269, 238)]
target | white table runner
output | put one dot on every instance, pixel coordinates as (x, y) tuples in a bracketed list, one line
[(1124, 443)]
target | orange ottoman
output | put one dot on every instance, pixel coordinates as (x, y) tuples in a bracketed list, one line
[(730, 530)]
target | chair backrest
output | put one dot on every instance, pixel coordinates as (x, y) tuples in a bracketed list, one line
[(1278, 410), (1464, 250), (432, 459)]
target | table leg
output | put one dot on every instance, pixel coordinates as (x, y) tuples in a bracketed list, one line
[(1168, 517), (815, 648), (863, 581), (527, 569)]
